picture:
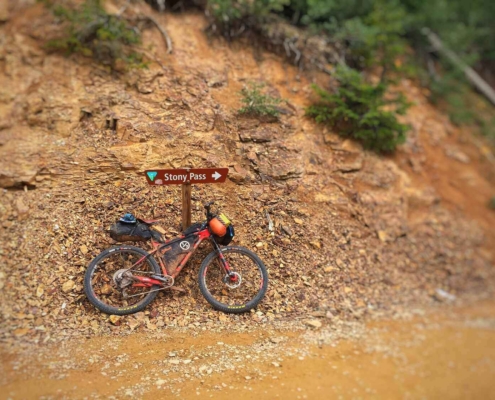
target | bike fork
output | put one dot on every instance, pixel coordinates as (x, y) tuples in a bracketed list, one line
[(223, 261)]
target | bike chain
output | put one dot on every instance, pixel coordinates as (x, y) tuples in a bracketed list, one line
[(151, 291)]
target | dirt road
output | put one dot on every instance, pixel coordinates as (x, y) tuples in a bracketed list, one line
[(448, 355)]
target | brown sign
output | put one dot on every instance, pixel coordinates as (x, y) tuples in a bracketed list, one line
[(186, 176)]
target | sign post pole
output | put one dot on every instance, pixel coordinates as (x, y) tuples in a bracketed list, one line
[(186, 206)]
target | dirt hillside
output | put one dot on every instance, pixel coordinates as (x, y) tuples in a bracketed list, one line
[(356, 236)]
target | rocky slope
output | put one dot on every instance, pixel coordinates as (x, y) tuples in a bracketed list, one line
[(355, 235)]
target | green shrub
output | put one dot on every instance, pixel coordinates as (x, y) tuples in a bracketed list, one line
[(258, 103), (232, 17), (94, 33), (361, 111)]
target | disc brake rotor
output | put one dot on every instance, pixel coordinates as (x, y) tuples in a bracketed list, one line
[(232, 280)]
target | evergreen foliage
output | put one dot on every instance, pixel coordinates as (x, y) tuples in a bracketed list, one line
[(361, 111), (94, 33)]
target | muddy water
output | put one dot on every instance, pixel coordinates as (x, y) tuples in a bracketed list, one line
[(438, 357)]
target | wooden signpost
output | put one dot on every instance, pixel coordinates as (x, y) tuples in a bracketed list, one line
[(185, 177)]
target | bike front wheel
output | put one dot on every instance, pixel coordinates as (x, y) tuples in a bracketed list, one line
[(108, 282), (244, 291)]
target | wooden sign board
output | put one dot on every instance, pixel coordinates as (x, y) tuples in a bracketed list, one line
[(184, 176)]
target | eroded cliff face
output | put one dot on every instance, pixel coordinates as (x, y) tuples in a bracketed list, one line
[(355, 234)]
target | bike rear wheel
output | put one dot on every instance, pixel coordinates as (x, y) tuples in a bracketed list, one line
[(108, 280), (237, 296)]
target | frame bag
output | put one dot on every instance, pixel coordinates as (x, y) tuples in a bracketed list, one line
[(174, 253)]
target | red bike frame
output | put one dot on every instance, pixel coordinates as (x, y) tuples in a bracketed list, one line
[(203, 234)]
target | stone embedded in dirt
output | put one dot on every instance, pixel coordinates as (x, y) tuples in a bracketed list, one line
[(276, 364), (84, 249), (349, 163), (457, 155), (222, 318), (351, 146), (336, 198), (239, 175), (261, 134), (68, 286), (382, 235), (186, 362), (115, 319), (442, 295), (313, 323), (174, 362), (22, 209), (160, 382), (348, 156), (322, 198), (279, 161), (106, 289), (133, 323), (332, 139), (21, 332), (316, 244), (286, 230), (318, 314), (248, 378), (277, 339), (127, 166), (216, 80), (298, 221), (418, 198), (154, 313)]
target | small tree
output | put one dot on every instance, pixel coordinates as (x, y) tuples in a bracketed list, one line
[(257, 103), (361, 111)]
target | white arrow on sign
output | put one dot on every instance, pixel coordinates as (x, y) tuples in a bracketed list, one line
[(216, 175)]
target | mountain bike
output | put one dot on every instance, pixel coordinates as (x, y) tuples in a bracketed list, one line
[(124, 279)]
